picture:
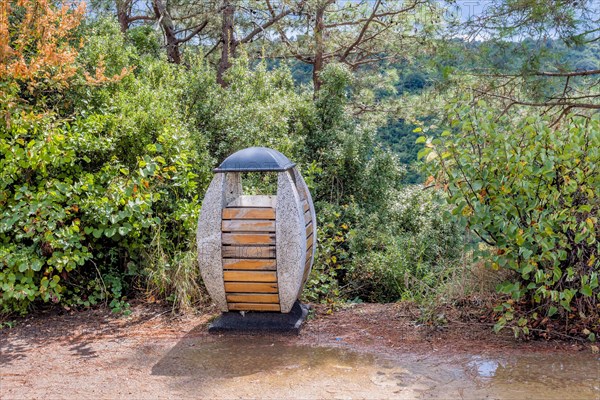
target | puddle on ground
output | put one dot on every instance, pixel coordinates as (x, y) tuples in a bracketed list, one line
[(255, 367)]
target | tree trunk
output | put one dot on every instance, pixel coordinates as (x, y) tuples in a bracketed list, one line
[(169, 29), (228, 41), (318, 63), (123, 14)]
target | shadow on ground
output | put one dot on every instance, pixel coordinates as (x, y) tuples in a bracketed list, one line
[(77, 330)]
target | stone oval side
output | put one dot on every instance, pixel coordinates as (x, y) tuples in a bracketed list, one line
[(290, 241)]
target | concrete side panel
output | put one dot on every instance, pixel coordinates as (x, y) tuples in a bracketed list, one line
[(208, 238), (290, 241), (302, 186)]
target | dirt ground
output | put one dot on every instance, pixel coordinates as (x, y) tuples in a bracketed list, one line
[(96, 354)]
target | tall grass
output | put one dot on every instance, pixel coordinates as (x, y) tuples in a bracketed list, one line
[(174, 276)]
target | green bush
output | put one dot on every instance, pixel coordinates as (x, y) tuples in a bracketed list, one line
[(531, 191), (332, 257), (85, 184), (259, 108), (406, 255)]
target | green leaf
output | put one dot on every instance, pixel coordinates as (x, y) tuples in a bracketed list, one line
[(36, 265), (586, 290)]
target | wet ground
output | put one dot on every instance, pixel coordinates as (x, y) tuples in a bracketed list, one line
[(254, 367), (161, 359)]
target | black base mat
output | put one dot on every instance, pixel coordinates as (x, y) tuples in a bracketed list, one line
[(255, 322)]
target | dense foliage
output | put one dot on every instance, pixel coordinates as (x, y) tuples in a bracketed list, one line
[(90, 167), (531, 192), (103, 176), (110, 128)]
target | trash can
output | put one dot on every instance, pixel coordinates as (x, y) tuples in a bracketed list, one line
[(255, 252)]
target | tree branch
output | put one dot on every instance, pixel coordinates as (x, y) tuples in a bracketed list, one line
[(560, 103), (362, 32), (569, 74), (196, 31), (141, 18), (264, 26)]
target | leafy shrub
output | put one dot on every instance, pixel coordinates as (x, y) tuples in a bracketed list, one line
[(259, 108), (406, 255), (530, 190), (332, 256), (85, 179), (378, 241)]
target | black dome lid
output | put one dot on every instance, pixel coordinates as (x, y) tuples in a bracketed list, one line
[(255, 159)]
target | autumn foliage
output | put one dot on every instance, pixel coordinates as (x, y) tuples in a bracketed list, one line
[(39, 48), (37, 43)]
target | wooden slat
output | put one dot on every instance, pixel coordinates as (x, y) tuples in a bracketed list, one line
[(306, 270), (309, 241), (248, 213), (256, 264), (305, 276), (241, 225), (248, 251), (252, 298), (307, 218), (305, 206), (248, 238), (249, 287), (253, 307), (249, 276), (254, 201), (309, 229)]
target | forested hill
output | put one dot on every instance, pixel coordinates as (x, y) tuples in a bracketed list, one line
[(428, 72)]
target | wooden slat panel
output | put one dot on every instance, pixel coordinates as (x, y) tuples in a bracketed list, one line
[(253, 307), (252, 298), (248, 251), (305, 206), (307, 218), (249, 287), (250, 276), (241, 225), (309, 229), (248, 213), (257, 264), (248, 238)]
